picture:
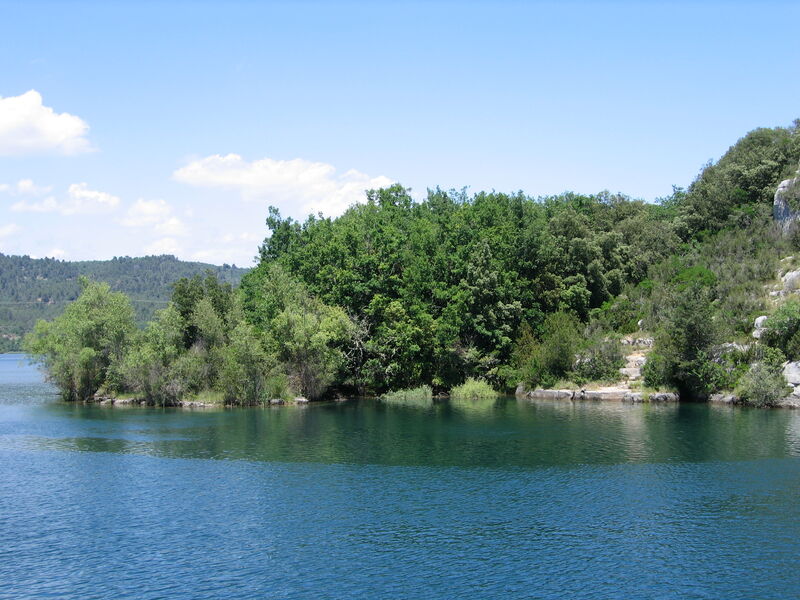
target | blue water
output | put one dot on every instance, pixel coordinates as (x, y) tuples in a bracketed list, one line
[(359, 500)]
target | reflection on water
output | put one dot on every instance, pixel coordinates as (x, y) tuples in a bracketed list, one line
[(502, 433), (489, 499)]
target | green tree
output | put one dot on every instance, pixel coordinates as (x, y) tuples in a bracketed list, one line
[(81, 349)]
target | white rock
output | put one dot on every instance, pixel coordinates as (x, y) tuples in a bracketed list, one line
[(760, 321), (791, 372)]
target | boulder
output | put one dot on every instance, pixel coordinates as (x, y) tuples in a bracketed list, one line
[(791, 281), (723, 399), (791, 372), (663, 397), (631, 372), (782, 210), (277, 401), (301, 400), (551, 394), (758, 331)]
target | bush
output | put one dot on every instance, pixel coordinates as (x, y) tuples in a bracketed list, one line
[(81, 349), (419, 396), (601, 361), (473, 389), (542, 363), (763, 385), (682, 355), (782, 329)]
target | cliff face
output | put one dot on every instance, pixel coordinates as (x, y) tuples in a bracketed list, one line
[(782, 210)]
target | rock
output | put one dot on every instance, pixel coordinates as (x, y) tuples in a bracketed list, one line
[(723, 399), (301, 400), (634, 397), (277, 401), (791, 372), (631, 372), (758, 330), (791, 281), (520, 391), (792, 401), (640, 323), (551, 394), (663, 397), (781, 206)]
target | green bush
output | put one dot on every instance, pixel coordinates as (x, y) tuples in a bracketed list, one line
[(601, 361), (419, 396), (543, 362), (782, 329), (473, 389), (762, 385)]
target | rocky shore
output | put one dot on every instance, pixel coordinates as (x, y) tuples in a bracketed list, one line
[(112, 401)]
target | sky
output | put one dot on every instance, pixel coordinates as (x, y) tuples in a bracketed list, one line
[(135, 128)]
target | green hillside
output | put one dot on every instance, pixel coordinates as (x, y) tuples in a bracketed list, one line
[(40, 288)]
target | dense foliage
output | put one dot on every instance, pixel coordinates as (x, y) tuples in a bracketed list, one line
[(40, 288), (441, 289), (484, 292)]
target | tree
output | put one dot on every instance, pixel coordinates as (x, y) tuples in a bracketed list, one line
[(82, 348)]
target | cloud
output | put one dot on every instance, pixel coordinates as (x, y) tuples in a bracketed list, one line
[(299, 186), (25, 187), (28, 127), (56, 253), (156, 214), (8, 230), (165, 245), (80, 200)]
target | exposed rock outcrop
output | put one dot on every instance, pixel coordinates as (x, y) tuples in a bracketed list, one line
[(758, 326), (782, 210)]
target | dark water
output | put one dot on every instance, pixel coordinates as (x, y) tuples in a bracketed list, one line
[(358, 500)]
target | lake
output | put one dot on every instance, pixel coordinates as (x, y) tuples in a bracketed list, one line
[(505, 499)]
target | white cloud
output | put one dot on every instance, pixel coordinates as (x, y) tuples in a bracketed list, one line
[(165, 245), (25, 187), (299, 186), (56, 253), (156, 214), (80, 200), (8, 230), (29, 127)]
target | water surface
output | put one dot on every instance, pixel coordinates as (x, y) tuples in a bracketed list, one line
[(506, 499)]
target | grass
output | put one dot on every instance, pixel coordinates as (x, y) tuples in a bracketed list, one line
[(420, 396), (208, 397), (473, 389)]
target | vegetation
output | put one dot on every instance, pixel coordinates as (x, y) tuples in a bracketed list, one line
[(419, 396), (41, 288), (475, 294), (473, 389)]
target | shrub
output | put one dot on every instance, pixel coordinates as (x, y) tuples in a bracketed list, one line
[(782, 329), (762, 385), (473, 389), (601, 361), (681, 357), (551, 358), (419, 396)]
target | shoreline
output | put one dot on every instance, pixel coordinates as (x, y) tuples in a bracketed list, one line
[(623, 395)]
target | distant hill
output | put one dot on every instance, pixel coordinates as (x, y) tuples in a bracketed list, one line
[(40, 288)]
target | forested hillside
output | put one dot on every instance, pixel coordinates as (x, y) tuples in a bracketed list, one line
[(32, 289)]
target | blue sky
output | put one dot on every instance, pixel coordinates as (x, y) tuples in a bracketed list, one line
[(171, 127)]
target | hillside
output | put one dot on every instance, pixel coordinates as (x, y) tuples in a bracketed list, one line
[(40, 288)]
